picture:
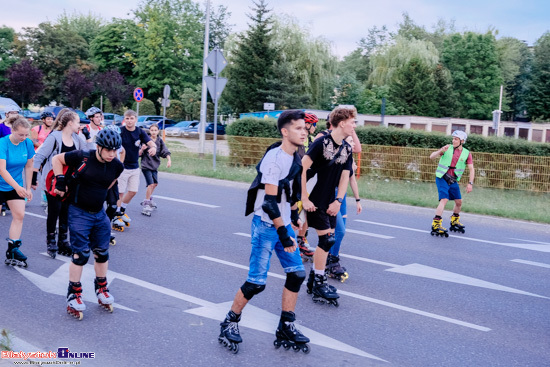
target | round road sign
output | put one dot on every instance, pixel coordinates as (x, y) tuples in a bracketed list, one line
[(138, 94)]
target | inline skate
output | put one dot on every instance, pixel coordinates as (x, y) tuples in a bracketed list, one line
[(438, 229), (117, 224), (75, 305), (122, 219), (147, 207), (51, 245), (319, 289), (4, 209), (305, 251), (14, 256), (456, 226), (288, 336), (112, 241), (334, 270), (152, 203), (104, 298), (229, 332), (63, 244)]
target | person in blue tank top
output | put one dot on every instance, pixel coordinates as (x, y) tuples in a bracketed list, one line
[(16, 159)]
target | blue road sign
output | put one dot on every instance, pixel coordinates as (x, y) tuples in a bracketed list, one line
[(138, 94)]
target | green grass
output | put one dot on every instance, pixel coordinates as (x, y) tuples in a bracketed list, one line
[(525, 205), (5, 340)]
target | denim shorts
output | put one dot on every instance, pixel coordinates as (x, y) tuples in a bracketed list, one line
[(151, 177), (88, 230), (446, 191), (264, 240)]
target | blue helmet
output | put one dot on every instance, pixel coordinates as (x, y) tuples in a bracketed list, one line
[(108, 138), (45, 115)]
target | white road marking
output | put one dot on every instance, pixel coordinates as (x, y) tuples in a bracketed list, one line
[(265, 321), (368, 299), (542, 265), (243, 234), (186, 201), (540, 243), (369, 234), (423, 271), (540, 248), (390, 265), (36, 215)]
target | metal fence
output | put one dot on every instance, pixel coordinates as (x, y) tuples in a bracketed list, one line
[(503, 171)]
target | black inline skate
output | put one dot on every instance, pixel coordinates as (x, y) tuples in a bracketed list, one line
[(438, 229), (321, 291), (456, 226), (112, 240), (63, 244), (229, 333), (51, 245), (335, 270), (288, 336), (14, 256)]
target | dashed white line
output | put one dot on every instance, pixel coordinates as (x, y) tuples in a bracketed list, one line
[(186, 201), (534, 263)]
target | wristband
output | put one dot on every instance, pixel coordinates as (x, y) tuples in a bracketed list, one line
[(294, 216), (60, 183), (471, 183), (357, 200), (284, 237), (34, 180)]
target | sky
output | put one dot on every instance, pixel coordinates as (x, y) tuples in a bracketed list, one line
[(342, 22)]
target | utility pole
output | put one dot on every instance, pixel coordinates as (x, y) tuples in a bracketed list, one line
[(202, 124)]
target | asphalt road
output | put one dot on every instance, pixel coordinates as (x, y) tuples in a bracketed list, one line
[(473, 299)]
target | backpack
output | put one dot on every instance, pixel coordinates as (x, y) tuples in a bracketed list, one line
[(70, 177)]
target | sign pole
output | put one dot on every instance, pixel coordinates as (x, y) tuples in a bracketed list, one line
[(137, 109)]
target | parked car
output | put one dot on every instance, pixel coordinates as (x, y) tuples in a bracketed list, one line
[(55, 110), (193, 130), (147, 124), (177, 129), (112, 118), (6, 104), (31, 116)]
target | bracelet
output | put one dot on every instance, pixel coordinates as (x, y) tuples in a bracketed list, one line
[(471, 183), (357, 200)]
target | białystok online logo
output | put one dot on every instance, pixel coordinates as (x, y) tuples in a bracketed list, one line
[(62, 353)]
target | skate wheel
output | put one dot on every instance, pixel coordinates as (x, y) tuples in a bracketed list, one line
[(112, 243), (235, 348), (446, 235), (335, 303), (286, 346), (432, 233), (296, 348), (306, 349)]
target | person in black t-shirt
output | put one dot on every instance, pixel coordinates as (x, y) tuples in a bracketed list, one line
[(133, 138), (330, 157), (91, 174)]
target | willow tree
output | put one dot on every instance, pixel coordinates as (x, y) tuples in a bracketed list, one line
[(387, 61)]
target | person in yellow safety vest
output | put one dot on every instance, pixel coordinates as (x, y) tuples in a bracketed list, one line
[(453, 160)]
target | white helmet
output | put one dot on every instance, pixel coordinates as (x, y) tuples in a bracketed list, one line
[(460, 134)]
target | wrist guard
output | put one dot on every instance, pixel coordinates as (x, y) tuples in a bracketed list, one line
[(86, 133), (285, 239), (34, 180), (60, 183)]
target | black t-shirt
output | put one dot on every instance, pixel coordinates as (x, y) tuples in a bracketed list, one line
[(328, 163), (66, 149), (132, 141), (89, 189)]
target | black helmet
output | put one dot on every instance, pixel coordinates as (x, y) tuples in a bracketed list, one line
[(109, 139), (45, 115)]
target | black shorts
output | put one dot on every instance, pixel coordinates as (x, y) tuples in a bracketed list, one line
[(320, 220), (9, 195), (151, 177)]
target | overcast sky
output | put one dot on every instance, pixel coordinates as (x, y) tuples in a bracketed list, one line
[(342, 22)]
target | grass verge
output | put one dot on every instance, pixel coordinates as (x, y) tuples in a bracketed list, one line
[(524, 205)]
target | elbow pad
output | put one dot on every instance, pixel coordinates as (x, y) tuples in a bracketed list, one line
[(270, 207)]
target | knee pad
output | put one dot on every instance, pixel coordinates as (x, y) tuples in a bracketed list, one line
[(294, 280), (326, 241), (101, 256), (82, 257), (250, 289)]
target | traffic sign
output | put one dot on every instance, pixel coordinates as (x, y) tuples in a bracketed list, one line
[(215, 86), (166, 91), (269, 106), (216, 61), (138, 94)]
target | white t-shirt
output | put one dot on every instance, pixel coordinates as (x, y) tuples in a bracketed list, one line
[(93, 133), (275, 166)]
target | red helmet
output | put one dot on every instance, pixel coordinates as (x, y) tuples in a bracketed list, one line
[(311, 119)]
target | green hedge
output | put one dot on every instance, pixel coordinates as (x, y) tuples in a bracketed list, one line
[(375, 135), (390, 136)]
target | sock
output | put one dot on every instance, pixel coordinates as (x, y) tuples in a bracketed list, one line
[(123, 205), (319, 272), (438, 217)]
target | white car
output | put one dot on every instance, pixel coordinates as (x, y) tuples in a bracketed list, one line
[(177, 129)]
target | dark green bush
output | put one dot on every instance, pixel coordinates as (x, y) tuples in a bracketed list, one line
[(254, 127), (375, 135)]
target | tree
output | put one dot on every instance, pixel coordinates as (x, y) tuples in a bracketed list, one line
[(76, 87), (389, 59), (251, 62), (113, 85), (7, 58), (538, 102), (146, 107), (87, 26), (24, 81), (515, 64), (413, 89), (472, 60), (55, 50), (191, 104), (115, 46), (169, 50), (371, 101), (444, 94), (219, 28), (349, 90)]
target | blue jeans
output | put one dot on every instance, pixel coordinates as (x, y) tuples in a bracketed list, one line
[(88, 230), (264, 240), (340, 230)]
